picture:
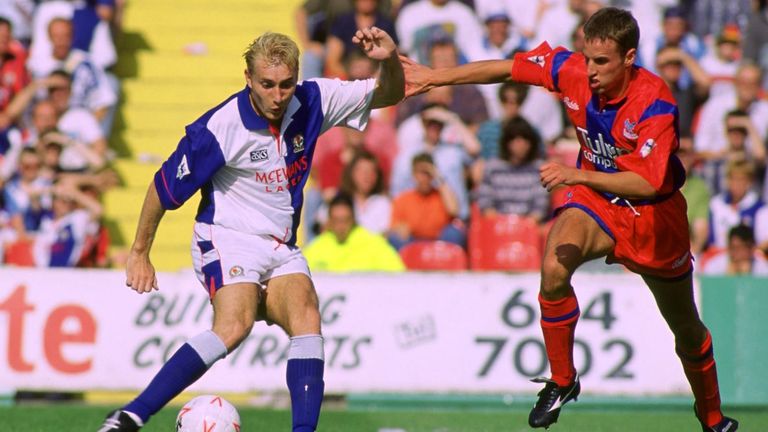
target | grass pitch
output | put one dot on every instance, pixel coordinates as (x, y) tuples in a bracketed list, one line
[(83, 418)]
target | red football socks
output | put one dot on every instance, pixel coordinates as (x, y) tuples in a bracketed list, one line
[(699, 367), (558, 323)]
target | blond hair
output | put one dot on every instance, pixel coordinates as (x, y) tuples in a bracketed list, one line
[(744, 167), (274, 49)]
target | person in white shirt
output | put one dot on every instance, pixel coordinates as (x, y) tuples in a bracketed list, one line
[(423, 21), (250, 157), (710, 133), (90, 87)]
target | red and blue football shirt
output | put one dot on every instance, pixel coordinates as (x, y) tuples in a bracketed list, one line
[(635, 132)]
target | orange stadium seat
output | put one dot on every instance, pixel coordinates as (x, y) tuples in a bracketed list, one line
[(505, 242), (433, 255)]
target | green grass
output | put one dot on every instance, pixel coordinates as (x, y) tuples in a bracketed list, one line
[(80, 418)]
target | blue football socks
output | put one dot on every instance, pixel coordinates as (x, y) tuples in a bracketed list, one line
[(186, 365), (304, 375)]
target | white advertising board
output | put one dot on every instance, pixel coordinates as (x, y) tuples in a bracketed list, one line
[(429, 332)]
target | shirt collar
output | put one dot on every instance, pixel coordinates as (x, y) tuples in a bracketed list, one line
[(251, 119)]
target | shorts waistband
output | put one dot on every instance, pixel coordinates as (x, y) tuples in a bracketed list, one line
[(624, 202)]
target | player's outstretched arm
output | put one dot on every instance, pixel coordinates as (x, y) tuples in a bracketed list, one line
[(139, 271), (378, 45), (420, 78)]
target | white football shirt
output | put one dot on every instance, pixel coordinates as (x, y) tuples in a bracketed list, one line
[(252, 180)]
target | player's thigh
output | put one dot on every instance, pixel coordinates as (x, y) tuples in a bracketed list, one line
[(676, 303), (291, 302), (234, 311), (575, 238)]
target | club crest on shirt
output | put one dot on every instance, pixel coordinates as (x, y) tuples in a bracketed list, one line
[(298, 143), (629, 130), (258, 155), (645, 150), (183, 169), (235, 271), (539, 60)]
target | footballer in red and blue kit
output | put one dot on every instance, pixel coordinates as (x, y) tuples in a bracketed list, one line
[(635, 132)]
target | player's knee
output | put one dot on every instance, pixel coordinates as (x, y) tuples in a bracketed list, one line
[(233, 332), (555, 279)]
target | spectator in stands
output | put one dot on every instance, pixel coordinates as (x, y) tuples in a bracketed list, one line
[(339, 44), (421, 22), (13, 71), (761, 229), (91, 21), (697, 196), (465, 100), (501, 38), (81, 127), (710, 135), (709, 17), (722, 63), (74, 156), (19, 13), (363, 181), (336, 147), (742, 143), (11, 144), (346, 246), (738, 204), (27, 196), (511, 183), (674, 34), (90, 88), (648, 14), (43, 120), (670, 62), (558, 21), (741, 257), (91, 32), (50, 154), (313, 24), (428, 211), (756, 35), (63, 233), (451, 144), (511, 95)]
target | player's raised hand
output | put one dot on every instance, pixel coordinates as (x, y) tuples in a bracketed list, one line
[(553, 174), (416, 77), (140, 273), (375, 42)]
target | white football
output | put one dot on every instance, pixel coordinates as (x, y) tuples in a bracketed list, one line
[(208, 413)]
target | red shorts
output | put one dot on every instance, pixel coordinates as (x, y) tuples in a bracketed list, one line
[(654, 242)]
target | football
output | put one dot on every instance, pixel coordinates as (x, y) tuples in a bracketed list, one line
[(208, 413)]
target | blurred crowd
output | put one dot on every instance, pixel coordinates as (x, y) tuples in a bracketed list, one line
[(57, 103), (431, 168)]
